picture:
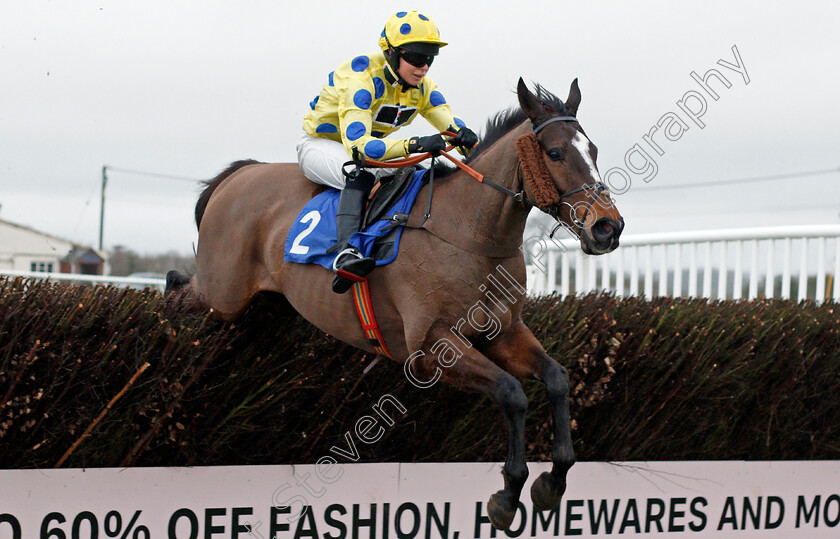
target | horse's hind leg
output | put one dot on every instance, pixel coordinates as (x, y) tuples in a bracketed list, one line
[(472, 371), (520, 353)]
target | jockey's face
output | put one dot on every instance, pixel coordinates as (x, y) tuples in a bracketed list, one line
[(412, 74)]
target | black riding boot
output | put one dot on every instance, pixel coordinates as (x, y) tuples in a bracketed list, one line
[(350, 266)]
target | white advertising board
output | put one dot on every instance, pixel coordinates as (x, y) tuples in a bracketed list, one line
[(332, 501)]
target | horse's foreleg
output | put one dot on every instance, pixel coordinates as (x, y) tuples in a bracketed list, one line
[(511, 398), (519, 353), (548, 489), (475, 372)]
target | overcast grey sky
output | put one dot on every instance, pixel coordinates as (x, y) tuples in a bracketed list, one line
[(185, 87)]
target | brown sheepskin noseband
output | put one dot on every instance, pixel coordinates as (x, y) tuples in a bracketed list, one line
[(535, 172)]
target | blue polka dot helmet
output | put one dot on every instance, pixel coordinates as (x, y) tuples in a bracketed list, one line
[(413, 31)]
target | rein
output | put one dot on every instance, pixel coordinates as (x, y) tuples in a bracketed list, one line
[(411, 161), (531, 158)]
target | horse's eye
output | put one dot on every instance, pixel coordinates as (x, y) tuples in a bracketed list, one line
[(555, 154)]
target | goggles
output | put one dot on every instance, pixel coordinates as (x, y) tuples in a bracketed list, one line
[(416, 59)]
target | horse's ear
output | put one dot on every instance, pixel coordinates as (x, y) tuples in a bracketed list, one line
[(528, 101), (573, 101)]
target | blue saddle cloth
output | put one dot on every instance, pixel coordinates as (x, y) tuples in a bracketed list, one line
[(314, 232)]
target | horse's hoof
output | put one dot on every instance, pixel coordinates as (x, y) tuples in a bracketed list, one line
[(175, 281), (546, 492), (500, 510)]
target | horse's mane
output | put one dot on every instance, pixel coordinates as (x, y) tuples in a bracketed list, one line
[(211, 185), (503, 122)]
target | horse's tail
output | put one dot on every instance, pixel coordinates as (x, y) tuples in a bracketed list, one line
[(211, 185)]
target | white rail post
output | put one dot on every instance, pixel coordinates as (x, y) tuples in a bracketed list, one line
[(803, 270), (592, 264), (551, 275), (579, 276), (722, 272), (605, 272), (663, 272), (786, 270), (707, 270), (835, 285), (535, 282), (619, 274), (770, 277), (648, 273), (738, 278), (820, 293), (634, 272), (678, 271), (564, 274), (753, 291), (692, 270)]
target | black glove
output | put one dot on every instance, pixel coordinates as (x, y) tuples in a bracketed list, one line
[(433, 143), (465, 138)]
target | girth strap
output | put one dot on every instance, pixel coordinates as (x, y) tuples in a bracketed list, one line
[(364, 310)]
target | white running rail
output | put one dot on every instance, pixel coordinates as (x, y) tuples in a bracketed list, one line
[(799, 262), (137, 282)]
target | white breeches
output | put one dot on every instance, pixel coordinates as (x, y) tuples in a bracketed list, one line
[(321, 159)]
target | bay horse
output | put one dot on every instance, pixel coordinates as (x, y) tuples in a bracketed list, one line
[(468, 254)]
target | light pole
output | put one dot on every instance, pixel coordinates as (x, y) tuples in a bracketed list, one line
[(102, 204), (127, 171)]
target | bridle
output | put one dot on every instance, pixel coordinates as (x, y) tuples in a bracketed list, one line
[(595, 188)]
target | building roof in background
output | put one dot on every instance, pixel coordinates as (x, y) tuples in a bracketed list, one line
[(74, 246), (84, 255)]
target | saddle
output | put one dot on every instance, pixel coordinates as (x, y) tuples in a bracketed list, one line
[(385, 193)]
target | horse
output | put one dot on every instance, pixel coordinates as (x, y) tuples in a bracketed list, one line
[(449, 306)]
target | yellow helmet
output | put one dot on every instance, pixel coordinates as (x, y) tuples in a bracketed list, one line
[(410, 27)]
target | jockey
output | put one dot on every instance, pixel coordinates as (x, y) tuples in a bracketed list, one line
[(366, 99)]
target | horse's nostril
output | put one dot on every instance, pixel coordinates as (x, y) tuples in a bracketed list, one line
[(605, 230)]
